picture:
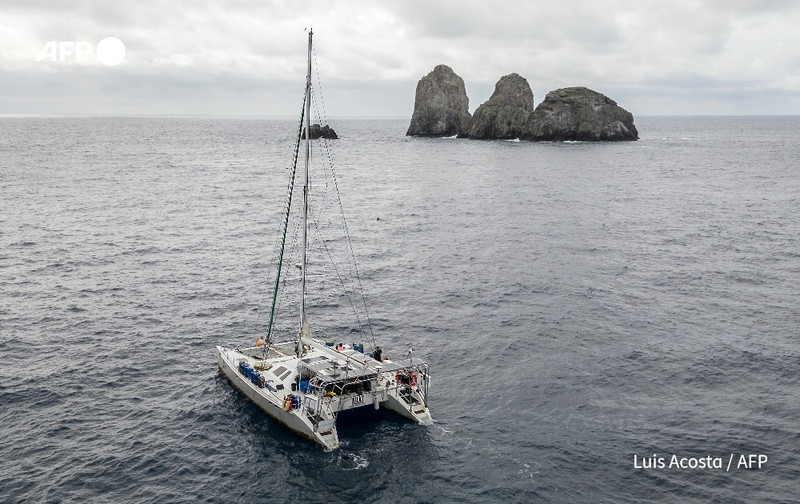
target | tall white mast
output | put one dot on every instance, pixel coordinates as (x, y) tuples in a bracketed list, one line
[(303, 320)]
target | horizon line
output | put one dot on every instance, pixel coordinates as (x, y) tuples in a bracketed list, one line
[(287, 116)]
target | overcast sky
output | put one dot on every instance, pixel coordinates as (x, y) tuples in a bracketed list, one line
[(248, 57)]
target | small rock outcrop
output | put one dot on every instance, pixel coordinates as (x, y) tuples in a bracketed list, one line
[(318, 131), (506, 112), (441, 106), (579, 113)]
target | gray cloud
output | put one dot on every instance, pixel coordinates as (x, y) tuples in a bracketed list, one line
[(238, 55)]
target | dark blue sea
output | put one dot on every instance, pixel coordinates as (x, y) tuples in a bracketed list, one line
[(585, 308)]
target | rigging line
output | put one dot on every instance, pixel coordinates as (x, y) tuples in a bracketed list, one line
[(319, 86), (282, 239), (352, 253), (286, 208), (338, 276), (291, 259), (353, 264), (323, 117), (264, 290), (326, 146), (330, 163), (330, 166), (338, 197), (286, 222), (273, 254)]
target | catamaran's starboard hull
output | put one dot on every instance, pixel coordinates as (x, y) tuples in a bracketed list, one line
[(414, 411)]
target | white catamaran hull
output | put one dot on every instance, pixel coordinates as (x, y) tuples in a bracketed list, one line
[(413, 411), (272, 403)]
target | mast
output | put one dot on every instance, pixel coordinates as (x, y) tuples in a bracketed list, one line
[(303, 321)]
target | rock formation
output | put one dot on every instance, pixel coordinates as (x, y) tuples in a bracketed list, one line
[(318, 131), (505, 114), (578, 113), (441, 106)]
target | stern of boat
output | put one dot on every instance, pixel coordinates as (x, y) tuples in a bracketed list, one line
[(312, 420), (414, 410), (406, 391)]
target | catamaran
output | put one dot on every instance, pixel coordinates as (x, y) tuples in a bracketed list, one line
[(304, 382)]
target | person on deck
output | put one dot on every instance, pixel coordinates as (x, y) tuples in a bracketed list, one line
[(377, 354)]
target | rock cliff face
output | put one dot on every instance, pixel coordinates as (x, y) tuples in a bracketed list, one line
[(505, 114), (578, 113), (441, 106)]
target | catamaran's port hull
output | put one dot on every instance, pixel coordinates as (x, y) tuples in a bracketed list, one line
[(293, 420)]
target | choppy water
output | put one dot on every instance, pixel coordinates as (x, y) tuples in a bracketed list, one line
[(579, 304)]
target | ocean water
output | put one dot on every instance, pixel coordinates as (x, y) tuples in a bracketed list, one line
[(583, 307)]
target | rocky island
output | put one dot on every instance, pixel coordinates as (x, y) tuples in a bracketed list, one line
[(578, 113), (441, 108), (319, 131), (505, 114)]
